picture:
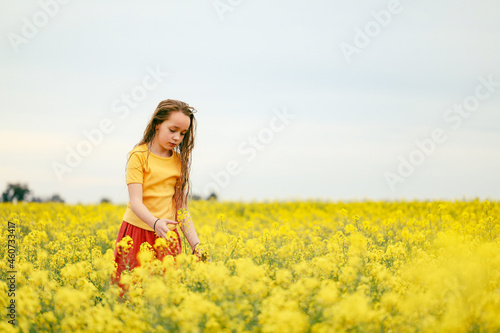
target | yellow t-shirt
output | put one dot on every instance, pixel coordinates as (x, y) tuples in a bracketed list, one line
[(158, 176)]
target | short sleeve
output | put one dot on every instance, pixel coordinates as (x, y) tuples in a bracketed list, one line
[(135, 169)]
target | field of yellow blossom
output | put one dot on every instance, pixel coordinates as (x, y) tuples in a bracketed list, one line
[(276, 267)]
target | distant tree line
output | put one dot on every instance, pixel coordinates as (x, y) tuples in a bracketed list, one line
[(211, 196), (16, 192)]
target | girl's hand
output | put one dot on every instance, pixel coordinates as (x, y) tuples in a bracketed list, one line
[(163, 226), (201, 253)]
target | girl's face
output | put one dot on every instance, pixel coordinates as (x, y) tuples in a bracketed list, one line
[(170, 133)]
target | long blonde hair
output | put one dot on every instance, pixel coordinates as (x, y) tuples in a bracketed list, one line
[(162, 113)]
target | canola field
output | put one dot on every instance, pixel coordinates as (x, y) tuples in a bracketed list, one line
[(276, 267)]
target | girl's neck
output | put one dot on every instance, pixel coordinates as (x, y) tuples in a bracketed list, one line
[(157, 150)]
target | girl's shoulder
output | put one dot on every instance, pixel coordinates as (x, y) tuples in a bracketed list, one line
[(143, 152), (139, 149)]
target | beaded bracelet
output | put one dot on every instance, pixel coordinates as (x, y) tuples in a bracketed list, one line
[(154, 226)]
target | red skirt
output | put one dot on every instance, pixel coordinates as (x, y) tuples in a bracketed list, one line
[(129, 260)]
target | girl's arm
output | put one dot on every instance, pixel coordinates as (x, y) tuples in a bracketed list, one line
[(189, 231), (142, 212)]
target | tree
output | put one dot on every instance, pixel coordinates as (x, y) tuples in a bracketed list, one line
[(212, 196), (17, 192), (56, 198)]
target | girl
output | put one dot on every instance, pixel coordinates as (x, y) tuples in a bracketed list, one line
[(158, 185)]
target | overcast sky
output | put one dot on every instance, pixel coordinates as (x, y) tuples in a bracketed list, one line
[(338, 100)]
